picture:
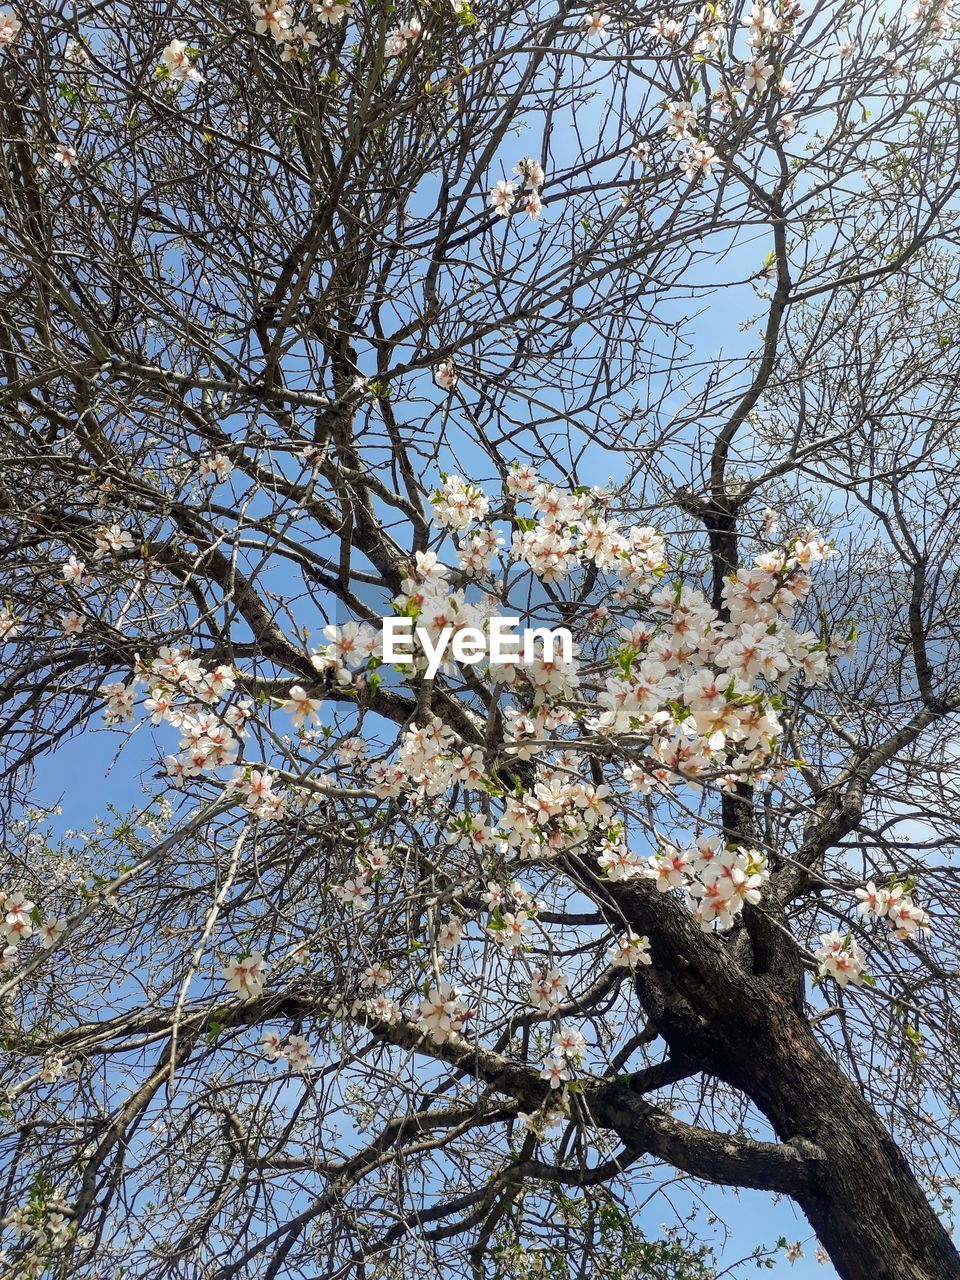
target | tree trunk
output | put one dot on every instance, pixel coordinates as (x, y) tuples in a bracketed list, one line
[(867, 1208), (870, 1213), (734, 1010)]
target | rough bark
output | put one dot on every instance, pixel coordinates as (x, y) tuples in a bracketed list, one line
[(748, 1029)]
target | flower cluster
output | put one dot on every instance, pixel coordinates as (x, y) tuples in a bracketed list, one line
[(17, 921), (723, 880), (568, 1046), (894, 905), (548, 987), (457, 504), (934, 10), (690, 693), (763, 29), (182, 693), (442, 1012), (697, 159), (111, 540), (215, 467), (559, 813), (667, 29), (505, 196), (275, 18), (403, 37), (47, 1227), (368, 866), (9, 625), (445, 376), (9, 28), (628, 951), (513, 911), (294, 1051), (178, 65), (246, 976), (570, 529), (349, 647), (840, 959), (256, 787)]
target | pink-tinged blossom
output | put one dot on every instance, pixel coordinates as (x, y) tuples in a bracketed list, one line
[(477, 551), (547, 990), (50, 933), (308, 39), (9, 28), (628, 951), (444, 375), (503, 195), (354, 891), (555, 1071), (904, 918), (595, 24), (449, 934), (17, 918), (301, 706), (457, 504), (442, 1013), (618, 862), (531, 170), (272, 1045), (64, 155), (74, 570), (522, 480), (872, 901), (246, 976), (112, 540), (839, 960), (383, 1008), (375, 976), (298, 1055), (720, 101), (215, 467), (351, 750), (9, 625), (757, 75), (569, 1043), (698, 159), (761, 23), (667, 29), (533, 205), (709, 38), (511, 930), (52, 1070), (331, 12), (178, 63), (120, 702), (272, 19), (681, 119)]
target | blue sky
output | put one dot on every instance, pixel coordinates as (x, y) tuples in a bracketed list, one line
[(78, 775)]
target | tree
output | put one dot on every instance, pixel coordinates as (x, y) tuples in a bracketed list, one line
[(316, 316)]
